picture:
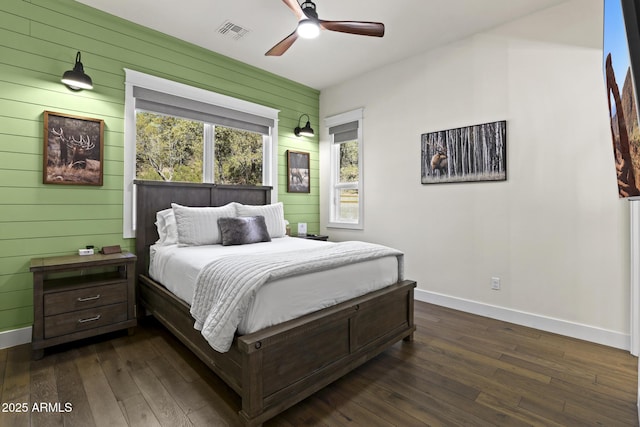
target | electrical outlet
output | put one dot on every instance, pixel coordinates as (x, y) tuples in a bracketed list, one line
[(495, 283)]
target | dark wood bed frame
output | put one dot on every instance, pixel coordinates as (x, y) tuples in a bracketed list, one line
[(277, 367)]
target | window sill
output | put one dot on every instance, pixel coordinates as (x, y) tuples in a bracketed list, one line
[(345, 225)]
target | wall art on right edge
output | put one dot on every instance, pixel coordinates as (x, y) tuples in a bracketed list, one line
[(467, 154), (621, 71)]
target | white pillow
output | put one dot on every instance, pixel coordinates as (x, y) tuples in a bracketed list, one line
[(273, 215), (199, 226), (167, 228)]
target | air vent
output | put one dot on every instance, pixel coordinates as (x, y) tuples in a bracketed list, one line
[(232, 30)]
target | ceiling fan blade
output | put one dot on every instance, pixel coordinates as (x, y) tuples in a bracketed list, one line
[(295, 8), (282, 46), (375, 29)]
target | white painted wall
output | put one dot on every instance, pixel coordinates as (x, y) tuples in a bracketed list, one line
[(555, 232)]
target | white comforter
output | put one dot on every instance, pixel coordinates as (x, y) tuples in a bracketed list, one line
[(225, 287)]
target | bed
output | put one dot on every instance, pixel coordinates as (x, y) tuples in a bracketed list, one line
[(273, 368)]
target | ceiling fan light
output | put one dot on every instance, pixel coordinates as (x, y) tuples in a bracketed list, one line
[(308, 29)]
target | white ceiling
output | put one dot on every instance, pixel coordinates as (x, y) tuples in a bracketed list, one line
[(412, 26)]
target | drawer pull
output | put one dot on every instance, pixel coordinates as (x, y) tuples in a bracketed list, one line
[(89, 298), (89, 319)]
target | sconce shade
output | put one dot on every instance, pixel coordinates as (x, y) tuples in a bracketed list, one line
[(76, 79), (307, 130)]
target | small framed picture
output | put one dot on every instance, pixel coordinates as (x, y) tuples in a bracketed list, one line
[(298, 180), (73, 149)]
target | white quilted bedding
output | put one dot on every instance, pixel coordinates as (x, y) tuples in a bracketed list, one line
[(279, 300), (225, 286)]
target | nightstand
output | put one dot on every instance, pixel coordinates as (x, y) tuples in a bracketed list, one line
[(314, 237), (79, 296)]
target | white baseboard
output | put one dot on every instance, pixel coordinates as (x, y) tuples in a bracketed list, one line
[(548, 324), (15, 337)]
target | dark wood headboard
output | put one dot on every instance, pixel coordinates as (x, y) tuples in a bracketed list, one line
[(154, 196)]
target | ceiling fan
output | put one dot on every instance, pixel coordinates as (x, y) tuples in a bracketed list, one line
[(309, 26)]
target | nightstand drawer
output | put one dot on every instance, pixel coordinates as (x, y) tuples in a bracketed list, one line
[(83, 298), (68, 323)]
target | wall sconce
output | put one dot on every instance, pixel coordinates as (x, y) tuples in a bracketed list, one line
[(306, 130), (76, 79)]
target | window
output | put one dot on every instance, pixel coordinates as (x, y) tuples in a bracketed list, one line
[(168, 148), (171, 148), (346, 206), (175, 132), (238, 156)]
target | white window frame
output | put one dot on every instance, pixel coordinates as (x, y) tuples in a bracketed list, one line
[(147, 81), (334, 171)]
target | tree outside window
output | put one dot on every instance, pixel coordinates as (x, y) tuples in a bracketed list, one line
[(238, 156), (173, 149), (168, 148), (348, 199)]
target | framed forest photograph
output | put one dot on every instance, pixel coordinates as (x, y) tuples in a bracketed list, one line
[(73, 149), (467, 154), (298, 172)]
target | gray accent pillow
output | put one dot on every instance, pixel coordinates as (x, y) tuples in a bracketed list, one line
[(243, 230)]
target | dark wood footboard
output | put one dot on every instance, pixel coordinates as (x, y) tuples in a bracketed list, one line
[(277, 367)]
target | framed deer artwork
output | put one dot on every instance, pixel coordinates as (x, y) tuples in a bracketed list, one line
[(466, 154), (298, 180), (73, 149)]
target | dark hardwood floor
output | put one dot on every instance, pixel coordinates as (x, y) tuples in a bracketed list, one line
[(461, 369)]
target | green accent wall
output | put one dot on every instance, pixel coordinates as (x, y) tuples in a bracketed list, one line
[(38, 42)]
